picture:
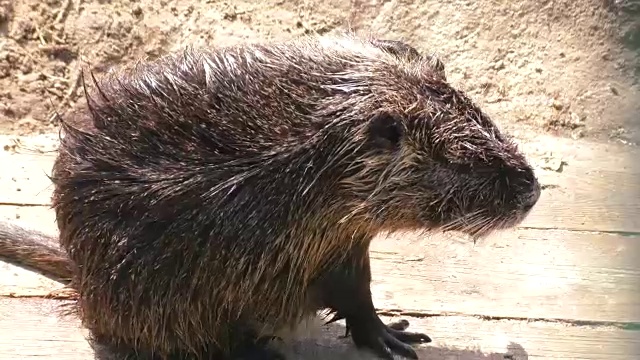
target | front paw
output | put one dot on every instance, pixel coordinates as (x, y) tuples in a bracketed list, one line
[(384, 341), (397, 330)]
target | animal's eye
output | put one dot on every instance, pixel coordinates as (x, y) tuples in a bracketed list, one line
[(385, 130)]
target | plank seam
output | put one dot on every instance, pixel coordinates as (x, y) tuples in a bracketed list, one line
[(580, 231), (622, 325)]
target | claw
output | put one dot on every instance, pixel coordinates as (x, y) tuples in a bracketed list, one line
[(399, 325), (398, 329), (264, 340), (399, 347), (409, 337), (336, 317), (386, 340), (347, 331), (382, 350)]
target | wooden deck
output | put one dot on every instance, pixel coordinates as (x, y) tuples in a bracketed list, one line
[(564, 285)]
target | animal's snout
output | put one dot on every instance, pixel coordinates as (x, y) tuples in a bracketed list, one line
[(530, 199)]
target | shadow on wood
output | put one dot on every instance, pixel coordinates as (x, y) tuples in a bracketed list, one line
[(45, 334), (330, 344), (32, 328)]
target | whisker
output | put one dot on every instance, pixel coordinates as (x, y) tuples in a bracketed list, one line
[(463, 221)]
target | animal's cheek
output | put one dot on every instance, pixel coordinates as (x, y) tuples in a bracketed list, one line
[(432, 176), (411, 195)]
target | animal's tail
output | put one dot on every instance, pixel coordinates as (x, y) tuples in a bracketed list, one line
[(35, 251)]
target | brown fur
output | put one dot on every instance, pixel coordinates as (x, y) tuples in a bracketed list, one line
[(34, 250), (207, 193)]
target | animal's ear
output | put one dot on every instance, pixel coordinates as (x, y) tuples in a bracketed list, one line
[(385, 131), (397, 48)]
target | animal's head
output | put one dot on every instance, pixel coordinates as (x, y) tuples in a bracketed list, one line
[(431, 158)]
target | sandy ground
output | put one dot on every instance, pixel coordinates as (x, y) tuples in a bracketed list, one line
[(566, 67)]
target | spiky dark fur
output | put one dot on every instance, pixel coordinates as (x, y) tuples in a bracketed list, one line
[(211, 197)]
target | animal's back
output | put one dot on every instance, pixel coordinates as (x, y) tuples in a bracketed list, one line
[(181, 198)]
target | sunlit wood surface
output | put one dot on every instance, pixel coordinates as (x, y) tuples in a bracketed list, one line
[(564, 285)]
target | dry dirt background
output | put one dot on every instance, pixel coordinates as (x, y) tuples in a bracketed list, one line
[(570, 67)]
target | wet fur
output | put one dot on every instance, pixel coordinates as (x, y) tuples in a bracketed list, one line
[(35, 251), (213, 196)]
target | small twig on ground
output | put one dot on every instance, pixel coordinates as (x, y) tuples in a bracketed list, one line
[(63, 11), (53, 92), (77, 7), (54, 49), (40, 37), (67, 98), (53, 77)]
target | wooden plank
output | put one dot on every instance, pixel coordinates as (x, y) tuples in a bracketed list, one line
[(585, 154), (596, 190), (26, 163), (36, 143), (42, 218), (520, 274), (17, 281), (529, 274), (589, 185), (24, 179), (31, 329), (523, 274)]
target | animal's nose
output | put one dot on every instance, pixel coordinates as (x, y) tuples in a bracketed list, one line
[(534, 195)]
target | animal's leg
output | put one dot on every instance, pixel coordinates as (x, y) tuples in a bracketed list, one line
[(257, 348), (250, 347), (346, 290), (106, 350), (259, 352)]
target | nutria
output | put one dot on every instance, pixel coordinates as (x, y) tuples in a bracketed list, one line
[(208, 198)]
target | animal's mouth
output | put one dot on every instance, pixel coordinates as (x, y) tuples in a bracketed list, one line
[(477, 225), (474, 234), (480, 219), (481, 224)]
